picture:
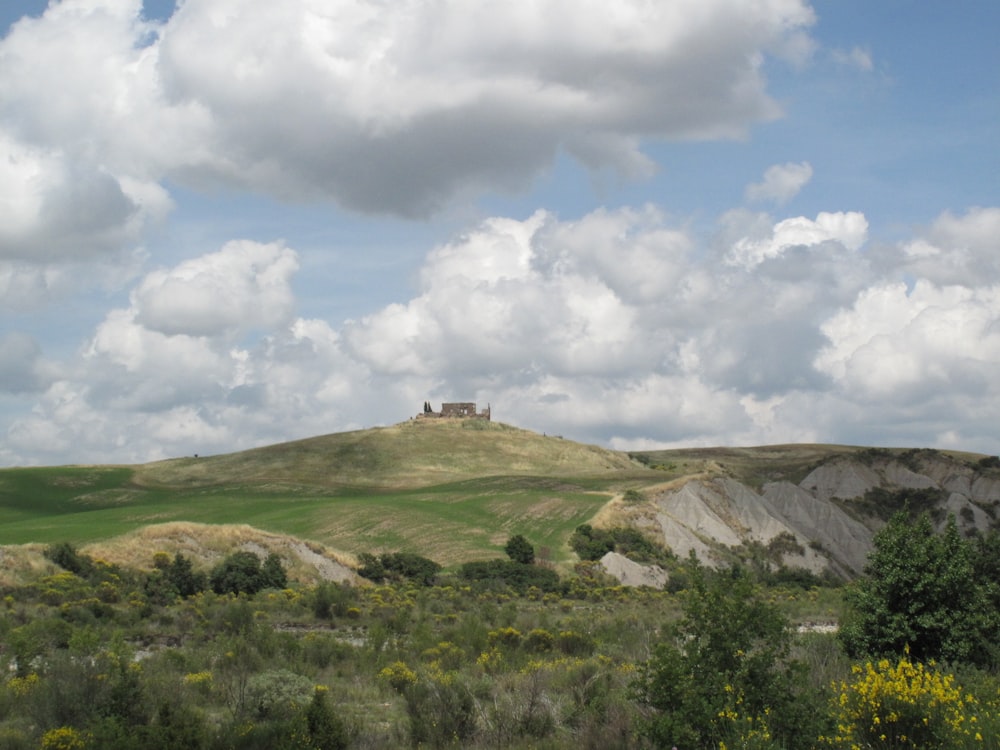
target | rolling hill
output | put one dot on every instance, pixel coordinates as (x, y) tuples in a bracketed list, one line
[(455, 490)]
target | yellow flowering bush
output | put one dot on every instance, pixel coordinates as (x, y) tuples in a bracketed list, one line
[(906, 705), (22, 686), (63, 738), (398, 675)]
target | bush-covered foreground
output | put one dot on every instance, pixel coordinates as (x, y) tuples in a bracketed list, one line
[(99, 657)]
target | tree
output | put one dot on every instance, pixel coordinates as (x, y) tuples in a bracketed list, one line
[(182, 576), (920, 591), (520, 550), (725, 661), (398, 566), (241, 572), (272, 572)]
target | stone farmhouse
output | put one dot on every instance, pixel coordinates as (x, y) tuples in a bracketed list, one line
[(457, 410)]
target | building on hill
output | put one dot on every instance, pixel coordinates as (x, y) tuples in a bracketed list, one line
[(456, 410)]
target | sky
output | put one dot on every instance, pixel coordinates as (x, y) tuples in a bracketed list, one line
[(232, 223)]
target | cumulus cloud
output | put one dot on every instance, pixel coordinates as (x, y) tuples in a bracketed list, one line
[(387, 108), (848, 230), (961, 250), (620, 326), (53, 208), (243, 286), (781, 183)]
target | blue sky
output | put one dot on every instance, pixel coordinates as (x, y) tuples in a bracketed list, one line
[(231, 223)]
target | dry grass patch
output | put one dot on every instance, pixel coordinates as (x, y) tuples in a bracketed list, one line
[(206, 545), (21, 564)]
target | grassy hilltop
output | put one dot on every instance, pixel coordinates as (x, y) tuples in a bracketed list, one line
[(453, 490)]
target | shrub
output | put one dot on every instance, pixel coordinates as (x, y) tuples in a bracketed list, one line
[(520, 550), (921, 592), (398, 676), (442, 712), (326, 730), (66, 556), (729, 642), (517, 576), (64, 738), (908, 705), (241, 572), (277, 693), (398, 566)]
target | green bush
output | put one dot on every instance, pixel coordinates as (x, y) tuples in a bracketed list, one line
[(397, 566), (520, 550), (922, 592), (517, 576), (241, 572), (725, 661)]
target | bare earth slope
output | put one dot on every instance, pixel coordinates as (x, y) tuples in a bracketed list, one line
[(820, 513)]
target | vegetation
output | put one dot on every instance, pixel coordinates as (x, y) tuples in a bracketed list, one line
[(931, 595), (108, 657), (592, 544), (724, 667), (482, 619)]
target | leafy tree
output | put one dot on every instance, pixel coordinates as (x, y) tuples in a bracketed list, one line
[(273, 573), (920, 591), (241, 572), (590, 543), (728, 653), (182, 576), (520, 550), (397, 566)]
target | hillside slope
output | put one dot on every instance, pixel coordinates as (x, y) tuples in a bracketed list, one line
[(417, 453), (810, 507)]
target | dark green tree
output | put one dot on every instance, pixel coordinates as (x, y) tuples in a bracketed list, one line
[(241, 572), (520, 550), (920, 590), (273, 572), (181, 575), (398, 566), (729, 648), (66, 556)]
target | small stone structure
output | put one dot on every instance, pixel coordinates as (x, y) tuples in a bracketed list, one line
[(457, 410)]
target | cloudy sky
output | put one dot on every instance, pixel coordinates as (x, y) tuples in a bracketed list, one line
[(228, 223)]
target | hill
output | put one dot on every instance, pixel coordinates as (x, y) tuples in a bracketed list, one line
[(417, 453), (456, 490), (452, 490)]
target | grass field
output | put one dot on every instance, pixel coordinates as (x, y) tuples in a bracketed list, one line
[(453, 491)]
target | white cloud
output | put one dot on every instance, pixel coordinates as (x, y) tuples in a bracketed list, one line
[(617, 327), (243, 286), (55, 209), (957, 249), (387, 108), (22, 367), (849, 229), (782, 182), (897, 344)]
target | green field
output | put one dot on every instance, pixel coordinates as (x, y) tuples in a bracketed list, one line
[(453, 491)]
